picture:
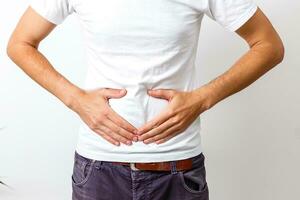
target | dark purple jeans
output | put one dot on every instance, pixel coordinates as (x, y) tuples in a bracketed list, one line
[(101, 180)]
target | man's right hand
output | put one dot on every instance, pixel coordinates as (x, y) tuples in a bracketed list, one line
[(93, 108)]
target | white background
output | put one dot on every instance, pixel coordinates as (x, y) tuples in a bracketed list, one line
[(251, 140)]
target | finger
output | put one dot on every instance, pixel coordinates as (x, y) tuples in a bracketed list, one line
[(170, 133), (111, 140), (116, 118), (158, 130), (162, 135), (114, 93), (166, 138), (111, 133), (162, 93), (102, 133), (119, 130), (161, 118), (178, 128)]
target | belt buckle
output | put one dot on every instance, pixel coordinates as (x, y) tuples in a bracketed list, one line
[(132, 166)]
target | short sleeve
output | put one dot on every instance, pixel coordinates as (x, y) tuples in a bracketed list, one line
[(54, 11), (231, 14)]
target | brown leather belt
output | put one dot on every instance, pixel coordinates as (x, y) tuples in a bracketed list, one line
[(159, 166)]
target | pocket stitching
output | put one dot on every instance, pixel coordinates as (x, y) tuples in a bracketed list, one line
[(87, 176), (181, 175)]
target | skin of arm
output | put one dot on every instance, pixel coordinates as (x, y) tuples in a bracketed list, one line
[(266, 50), (91, 106)]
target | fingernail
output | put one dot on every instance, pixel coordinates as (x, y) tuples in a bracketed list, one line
[(135, 139)]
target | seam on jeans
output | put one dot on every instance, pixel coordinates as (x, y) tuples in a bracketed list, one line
[(181, 175), (81, 183)]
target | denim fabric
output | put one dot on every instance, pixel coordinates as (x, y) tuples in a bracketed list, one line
[(103, 180)]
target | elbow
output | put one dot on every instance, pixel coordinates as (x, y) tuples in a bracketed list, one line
[(10, 49), (272, 50), (16, 48), (279, 50)]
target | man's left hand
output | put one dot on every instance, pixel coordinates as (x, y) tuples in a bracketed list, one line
[(183, 108)]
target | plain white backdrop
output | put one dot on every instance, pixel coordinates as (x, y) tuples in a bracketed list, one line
[(251, 140)]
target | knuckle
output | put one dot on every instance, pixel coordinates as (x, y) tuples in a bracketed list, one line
[(120, 138), (109, 138), (101, 133), (124, 125), (180, 123), (99, 120), (102, 116), (177, 129), (118, 130), (158, 137), (175, 120), (93, 126), (114, 135), (105, 111), (128, 135), (111, 132), (155, 125), (162, 140)]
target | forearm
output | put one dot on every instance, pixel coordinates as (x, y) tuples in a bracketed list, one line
[(36, 66), (252, 65)]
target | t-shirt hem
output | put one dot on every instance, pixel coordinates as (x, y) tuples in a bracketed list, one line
[(243, 19), (45, 16), (153, 157)]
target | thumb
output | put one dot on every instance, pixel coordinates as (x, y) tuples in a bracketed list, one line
[(162, 93), (114, 93)]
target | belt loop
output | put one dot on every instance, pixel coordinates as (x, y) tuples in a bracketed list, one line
[(173, 167), (98, 164)]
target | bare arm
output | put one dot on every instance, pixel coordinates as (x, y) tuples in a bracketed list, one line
[(92, 106), (266, 51), (22, 48)]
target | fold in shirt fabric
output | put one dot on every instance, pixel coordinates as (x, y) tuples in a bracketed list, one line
[(140, 45)]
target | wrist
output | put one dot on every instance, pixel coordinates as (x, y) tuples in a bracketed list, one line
[(73, 98), (206, 97)]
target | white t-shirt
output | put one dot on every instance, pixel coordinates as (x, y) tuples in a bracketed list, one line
[(139, 45)]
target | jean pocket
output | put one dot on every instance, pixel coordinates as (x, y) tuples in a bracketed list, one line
[(194, 180), (82, 170)]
